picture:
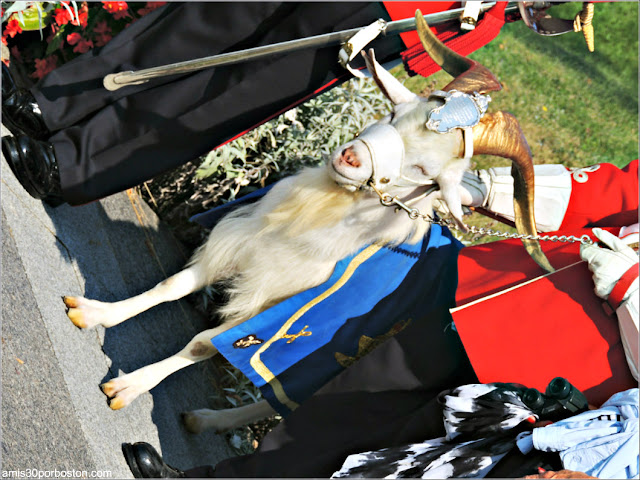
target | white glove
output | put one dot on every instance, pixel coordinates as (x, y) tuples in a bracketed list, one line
[(608, 265), (475, 188), (492, 189)]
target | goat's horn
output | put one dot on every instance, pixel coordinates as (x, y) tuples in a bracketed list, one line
[(499, 133), (470, 76)]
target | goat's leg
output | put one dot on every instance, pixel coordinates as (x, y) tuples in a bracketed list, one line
[(122, 390), (85, 313), (451, 196), (449, 182), (197, 421)]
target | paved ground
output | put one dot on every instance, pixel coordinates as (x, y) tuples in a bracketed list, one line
[(54, 416)]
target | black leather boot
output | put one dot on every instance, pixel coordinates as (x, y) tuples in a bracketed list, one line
[(145, 462), (35, 166), (20, 111)]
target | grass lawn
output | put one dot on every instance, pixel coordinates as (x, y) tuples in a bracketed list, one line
[(575, 107)]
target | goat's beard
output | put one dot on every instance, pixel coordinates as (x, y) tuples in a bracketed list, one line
[(314, 201)]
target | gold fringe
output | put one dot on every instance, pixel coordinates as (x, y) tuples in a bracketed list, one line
[(583, 22)]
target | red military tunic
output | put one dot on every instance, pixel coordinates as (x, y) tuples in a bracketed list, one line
[(519, 324)]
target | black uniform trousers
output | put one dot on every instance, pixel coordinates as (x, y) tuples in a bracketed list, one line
[(387, 398), (106, 141)]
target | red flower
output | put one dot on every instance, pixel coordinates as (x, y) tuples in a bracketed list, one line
[(74, 38), (81, 45), (83, 16), (118, 9), (113, 7), (150, 7), (10, 30), (61, 15), (102, 33), (44, 66), (13, 27)]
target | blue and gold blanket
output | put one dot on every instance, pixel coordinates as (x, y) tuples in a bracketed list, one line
[(292, 349)]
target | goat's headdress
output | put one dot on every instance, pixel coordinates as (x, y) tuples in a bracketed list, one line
[(463, 106)]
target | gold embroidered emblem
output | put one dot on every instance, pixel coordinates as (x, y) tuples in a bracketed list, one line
[(247, 341), (301, 333), (368, 344)]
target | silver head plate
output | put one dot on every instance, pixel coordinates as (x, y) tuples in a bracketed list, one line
[(460, 110)]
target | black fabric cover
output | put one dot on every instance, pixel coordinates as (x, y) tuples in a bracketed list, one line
[(388, 398), (106, 141)]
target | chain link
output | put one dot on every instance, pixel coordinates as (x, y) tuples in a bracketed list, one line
[(388, 201)]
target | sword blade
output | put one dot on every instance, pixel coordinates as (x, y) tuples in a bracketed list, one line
[(115, 81)]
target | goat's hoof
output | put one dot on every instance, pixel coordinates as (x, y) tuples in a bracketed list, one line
[(123, 390), (77, 318), (117, 399), (70, 302), (86, 313), (75, 311), (109, 388), (197, 421), (191, 422), (75, 315), (117, 403)]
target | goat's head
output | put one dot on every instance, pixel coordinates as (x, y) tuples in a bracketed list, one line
[(424, 141)]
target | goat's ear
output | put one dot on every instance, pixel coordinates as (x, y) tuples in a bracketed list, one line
[(390, 86)]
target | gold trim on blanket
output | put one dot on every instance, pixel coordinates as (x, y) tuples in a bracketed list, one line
[(257, 364)]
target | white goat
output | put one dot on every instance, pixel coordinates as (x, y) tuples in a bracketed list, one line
[(292, 238)]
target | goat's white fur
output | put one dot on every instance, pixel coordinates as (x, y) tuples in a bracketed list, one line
[(285, 243), (268, 251)]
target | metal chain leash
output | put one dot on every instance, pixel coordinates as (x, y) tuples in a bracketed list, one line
[(414, 214)]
